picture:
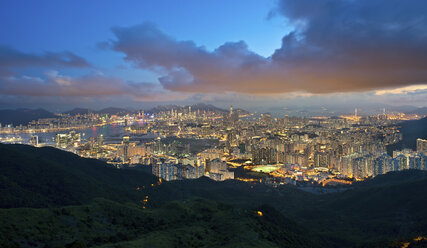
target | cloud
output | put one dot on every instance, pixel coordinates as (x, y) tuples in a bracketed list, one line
[(413, 89), (53, 84), (12, 58), (336, 46), (14, 82)]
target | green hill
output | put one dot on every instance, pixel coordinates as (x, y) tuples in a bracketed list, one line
[(52, 198), (41, 177)]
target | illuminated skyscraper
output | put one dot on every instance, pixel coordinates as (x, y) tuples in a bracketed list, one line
[(35, 140), (421, 145), (100, 140), (125, 148)]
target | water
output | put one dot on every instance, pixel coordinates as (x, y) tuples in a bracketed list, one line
[(112, 133)]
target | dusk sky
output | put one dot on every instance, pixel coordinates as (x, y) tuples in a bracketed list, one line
[(64, 54)]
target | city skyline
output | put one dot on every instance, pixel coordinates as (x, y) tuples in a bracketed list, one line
[(272, 54), (244, 123)]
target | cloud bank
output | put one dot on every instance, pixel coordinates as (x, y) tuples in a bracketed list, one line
[(377, 48), (15, 82), (336, 46), (11, 58)]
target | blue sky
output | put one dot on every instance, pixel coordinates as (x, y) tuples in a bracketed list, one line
[(259, 50), (79, 26), (34, 26)]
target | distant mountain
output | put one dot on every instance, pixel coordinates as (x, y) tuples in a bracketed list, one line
[(23, 116), (79, 111), (114, 111), (195, 107), (161, 108), (411, 131), (419, 111), (109, 111)]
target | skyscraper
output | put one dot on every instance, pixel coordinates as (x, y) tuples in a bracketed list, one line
[(421, 145), (35, 140), (125, 148)]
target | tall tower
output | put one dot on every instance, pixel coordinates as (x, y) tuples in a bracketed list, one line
[(355, 112), (231, 110), (125, 148)]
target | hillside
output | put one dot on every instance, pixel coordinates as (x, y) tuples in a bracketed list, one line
[(72, 200), (23, 116), (79, 111), (196, 223), (419, 111), (411, 131), (114, 111), (66, 202), (41, 177)]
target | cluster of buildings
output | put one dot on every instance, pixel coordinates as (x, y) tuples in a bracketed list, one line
[(61, 123), (186, 169), (370, 165), (188, 143)]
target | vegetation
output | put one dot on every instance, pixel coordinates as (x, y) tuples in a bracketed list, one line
[(52, 198)]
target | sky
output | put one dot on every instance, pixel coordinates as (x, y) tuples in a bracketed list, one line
[(253, 54)]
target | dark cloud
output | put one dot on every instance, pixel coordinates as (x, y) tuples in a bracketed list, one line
[(12, 58), (13, 82), (188, 67), (336, 46), (52, 84), (355, 45)]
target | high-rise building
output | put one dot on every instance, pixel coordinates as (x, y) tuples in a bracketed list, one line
[(421, 145), (35, 140), (100, 140), (125, 148), (321, 159), (382, 164), (62, 140)]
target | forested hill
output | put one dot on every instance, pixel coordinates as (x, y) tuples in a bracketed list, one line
[(52, 198), (42, 177)]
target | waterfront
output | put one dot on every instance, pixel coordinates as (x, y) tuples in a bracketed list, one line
[(112, 133)]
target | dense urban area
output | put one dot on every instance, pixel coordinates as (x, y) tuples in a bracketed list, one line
[(184, 143)]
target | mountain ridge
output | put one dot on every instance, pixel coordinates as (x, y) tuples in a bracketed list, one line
[(23, 116)]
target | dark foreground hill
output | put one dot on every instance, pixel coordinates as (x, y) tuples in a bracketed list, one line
[(43, 177), (52, 198)]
